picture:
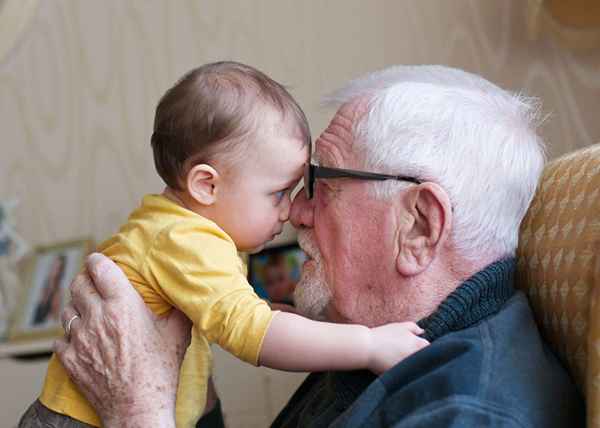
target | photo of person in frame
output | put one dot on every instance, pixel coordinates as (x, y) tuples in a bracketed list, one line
[(46, 276), (49, 306), (275, 271)]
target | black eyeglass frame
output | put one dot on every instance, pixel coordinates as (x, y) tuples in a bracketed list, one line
[(313, 172)]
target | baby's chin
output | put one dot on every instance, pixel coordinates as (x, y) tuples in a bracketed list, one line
[(256, 249), (261, 247)]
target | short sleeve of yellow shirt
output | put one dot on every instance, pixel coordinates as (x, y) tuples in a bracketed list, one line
[(194, 265), (177, 258)]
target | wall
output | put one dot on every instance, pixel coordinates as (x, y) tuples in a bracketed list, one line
[(77, 96)]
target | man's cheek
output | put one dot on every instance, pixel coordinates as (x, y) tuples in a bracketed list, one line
[(333, 315)]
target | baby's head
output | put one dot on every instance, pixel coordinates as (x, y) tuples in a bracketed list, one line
[(231, 143)]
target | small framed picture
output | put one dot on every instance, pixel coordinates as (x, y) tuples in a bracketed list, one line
[(274, 272), (46, 278)]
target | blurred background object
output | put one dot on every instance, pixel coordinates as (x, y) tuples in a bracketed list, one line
[(12, 249), (573, 23)]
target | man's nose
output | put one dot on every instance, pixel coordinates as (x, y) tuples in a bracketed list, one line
[(284, 214), (302, 211)]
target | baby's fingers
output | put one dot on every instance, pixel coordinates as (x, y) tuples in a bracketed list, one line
[(420, 343), (413, 328)]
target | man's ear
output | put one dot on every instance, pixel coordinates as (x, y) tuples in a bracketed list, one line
[(425, 219), (202, 182)]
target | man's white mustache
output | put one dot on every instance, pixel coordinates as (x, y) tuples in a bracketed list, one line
[(308, 245)]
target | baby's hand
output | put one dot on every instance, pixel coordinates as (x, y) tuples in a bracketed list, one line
[(392, 343)]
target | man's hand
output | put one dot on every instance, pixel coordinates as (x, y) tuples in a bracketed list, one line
[(122, 357), (391, 343)]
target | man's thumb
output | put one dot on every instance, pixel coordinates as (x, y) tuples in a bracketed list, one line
[(106, 275)]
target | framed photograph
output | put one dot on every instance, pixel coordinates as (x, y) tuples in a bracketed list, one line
[(46, 278), (275, 271)]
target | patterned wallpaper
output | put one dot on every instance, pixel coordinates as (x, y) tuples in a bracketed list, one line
[(78, 91)]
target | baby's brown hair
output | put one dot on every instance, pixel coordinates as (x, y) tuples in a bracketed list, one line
[(209, 111)]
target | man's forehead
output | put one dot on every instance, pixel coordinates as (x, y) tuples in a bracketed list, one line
[(336, 141)]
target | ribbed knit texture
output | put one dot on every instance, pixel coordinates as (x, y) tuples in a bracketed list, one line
[(324, 396), (477, 298)]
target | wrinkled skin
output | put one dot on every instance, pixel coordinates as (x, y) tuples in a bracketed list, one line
[(103, 357), (340, 282)]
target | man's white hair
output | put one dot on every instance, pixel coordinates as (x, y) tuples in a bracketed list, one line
[(474, 139)]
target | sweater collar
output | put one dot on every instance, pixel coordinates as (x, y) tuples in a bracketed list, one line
[(477, 298)]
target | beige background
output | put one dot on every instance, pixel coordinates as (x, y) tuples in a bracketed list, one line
[(78, 91)]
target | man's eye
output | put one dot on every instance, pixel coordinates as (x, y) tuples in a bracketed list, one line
[(325, 186), (326, 189)]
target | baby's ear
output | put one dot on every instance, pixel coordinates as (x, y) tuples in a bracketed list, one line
[(202, 184)]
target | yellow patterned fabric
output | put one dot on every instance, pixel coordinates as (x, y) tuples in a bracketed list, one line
[(559, 266)]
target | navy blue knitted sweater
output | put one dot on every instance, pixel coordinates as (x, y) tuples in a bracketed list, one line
[(486, 366)]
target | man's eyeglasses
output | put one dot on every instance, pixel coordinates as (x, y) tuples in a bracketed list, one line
[(313, 172)]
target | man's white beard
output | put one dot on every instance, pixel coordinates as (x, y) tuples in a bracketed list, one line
[(312, 294)]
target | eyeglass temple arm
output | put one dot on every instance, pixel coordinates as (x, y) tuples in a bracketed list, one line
[(325, 172)]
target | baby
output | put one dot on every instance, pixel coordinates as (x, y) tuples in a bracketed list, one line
[(231, 145)]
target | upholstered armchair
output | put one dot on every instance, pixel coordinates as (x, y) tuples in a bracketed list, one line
[(559, 266)]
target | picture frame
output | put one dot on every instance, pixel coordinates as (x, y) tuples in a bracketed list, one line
[(275, 271), (46, 278)]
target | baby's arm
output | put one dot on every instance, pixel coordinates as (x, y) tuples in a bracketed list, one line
[(210, 288), (295, 343)]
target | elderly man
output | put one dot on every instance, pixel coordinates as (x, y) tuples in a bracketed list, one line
[(410, 213)]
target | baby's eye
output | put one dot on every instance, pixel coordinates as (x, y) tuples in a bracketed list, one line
[(279, 195)]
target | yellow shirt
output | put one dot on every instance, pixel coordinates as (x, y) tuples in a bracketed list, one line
[(176, 258)]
